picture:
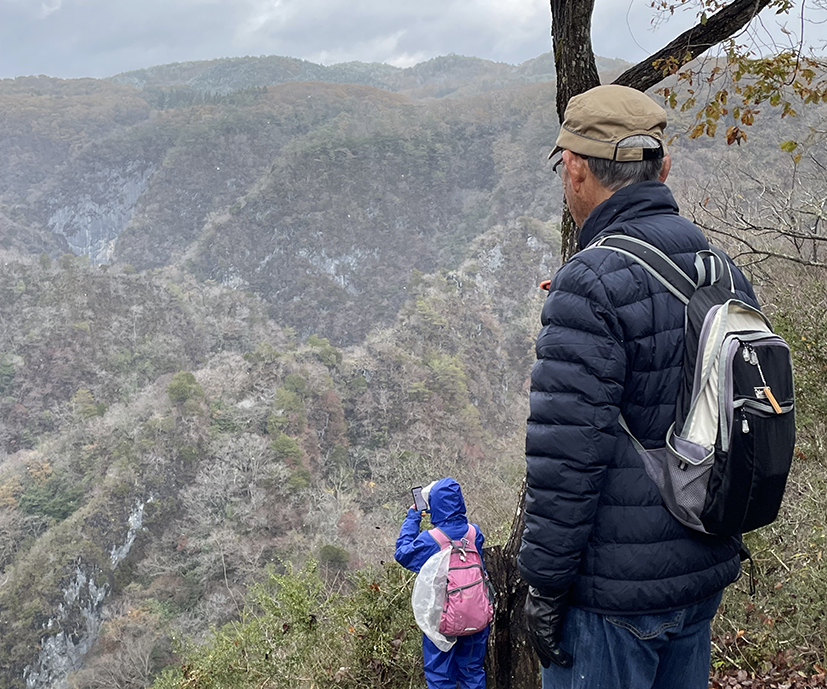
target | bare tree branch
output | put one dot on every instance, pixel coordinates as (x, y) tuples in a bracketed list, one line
[(692, 43), (754, 250)]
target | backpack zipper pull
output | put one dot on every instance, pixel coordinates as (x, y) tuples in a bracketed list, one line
[(744, 425), (773, 401), (754, 360)]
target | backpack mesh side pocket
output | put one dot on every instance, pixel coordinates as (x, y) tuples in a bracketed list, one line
[(687, 468)]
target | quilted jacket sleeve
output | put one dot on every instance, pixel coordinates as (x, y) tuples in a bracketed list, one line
[(576, 388)]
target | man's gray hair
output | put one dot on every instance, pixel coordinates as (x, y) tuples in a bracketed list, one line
[(615, 175)]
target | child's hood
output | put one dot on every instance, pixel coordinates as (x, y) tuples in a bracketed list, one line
[(446, 502)]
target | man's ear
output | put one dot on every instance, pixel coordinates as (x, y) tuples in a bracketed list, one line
[(577, 169), (665, 168)]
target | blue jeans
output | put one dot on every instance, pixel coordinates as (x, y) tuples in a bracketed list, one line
[(666, 651)]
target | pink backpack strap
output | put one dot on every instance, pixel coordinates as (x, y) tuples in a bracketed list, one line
[(471, 535), (443, 541), (440, 537)]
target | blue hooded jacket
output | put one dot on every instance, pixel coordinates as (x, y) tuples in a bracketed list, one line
[(447, 512), (463, 661)]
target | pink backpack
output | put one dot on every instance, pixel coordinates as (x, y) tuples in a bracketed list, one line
[(468, 606)]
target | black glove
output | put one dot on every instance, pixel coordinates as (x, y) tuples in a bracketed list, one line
[(545, 612)]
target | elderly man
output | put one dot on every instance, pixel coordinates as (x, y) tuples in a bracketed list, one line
[(621, 593)]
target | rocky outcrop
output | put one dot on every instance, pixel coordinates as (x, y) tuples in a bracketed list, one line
[(91, 220), (78, 617)]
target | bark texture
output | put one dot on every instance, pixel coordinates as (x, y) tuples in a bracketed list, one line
[(571, 35), (571, 29), (510, 662)]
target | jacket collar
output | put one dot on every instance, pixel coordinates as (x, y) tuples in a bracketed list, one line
[(628, 203)]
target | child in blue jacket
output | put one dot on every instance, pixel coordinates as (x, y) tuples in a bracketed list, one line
[(463, 663)]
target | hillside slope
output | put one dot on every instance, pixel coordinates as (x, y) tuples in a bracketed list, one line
[(173, 497)]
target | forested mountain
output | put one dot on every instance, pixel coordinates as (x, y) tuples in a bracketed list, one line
[(239, 326), (246, 305), (302, 193)]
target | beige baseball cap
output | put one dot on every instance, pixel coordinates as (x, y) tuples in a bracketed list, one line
[(600, 118)]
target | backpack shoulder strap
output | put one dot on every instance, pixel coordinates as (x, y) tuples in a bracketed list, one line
[(653, 260), (713, 266), (471, 536), (440, 537), (443, 540)]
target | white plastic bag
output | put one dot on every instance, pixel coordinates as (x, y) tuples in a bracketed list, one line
[(428, 598)]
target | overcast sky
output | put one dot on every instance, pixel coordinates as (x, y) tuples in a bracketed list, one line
[(97, 38)]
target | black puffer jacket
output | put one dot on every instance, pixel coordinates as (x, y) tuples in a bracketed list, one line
[(612, 341)]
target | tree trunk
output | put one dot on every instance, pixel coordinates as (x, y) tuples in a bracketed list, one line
[(511, 662), (571, 33)]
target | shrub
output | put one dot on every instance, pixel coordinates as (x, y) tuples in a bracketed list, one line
[(184, 387), (449, 380), (295, 634), (419, 391), (327, 353), (7, 374), (264, 353), (288, 408), (286, 448), (333, 557), (357, 385), (84, 405), (56, 498), (222, 421), (300, 479), (295, 384), (288, 401)]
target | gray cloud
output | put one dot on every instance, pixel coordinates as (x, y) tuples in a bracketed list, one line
[(73, 38)]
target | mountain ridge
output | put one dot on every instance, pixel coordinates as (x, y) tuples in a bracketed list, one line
[(438, 77)]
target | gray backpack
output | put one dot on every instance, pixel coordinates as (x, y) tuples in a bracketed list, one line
[(724, 465)]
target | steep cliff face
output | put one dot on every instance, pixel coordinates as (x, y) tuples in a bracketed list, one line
[(78, 619), (286, 451), (48, 122), (321, 198), (72, 629), (91, 221), (336, 227)]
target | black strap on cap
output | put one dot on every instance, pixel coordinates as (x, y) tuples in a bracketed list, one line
[(646, 152)]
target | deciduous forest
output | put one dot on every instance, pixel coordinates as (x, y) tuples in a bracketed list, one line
[(248, 303)]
